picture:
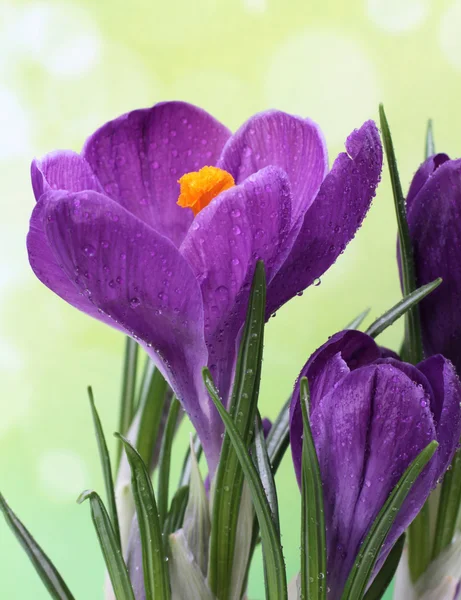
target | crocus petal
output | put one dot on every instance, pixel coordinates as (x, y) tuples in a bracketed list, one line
[(434, 218), (276, 138), (345, 351), (246, 223), (267, 426), (335, 369), (334, 217), (140, 156), (361, 436), (426, 170), (62, 170), (388, 353), (446, 389), (47, 267), (140, 282)]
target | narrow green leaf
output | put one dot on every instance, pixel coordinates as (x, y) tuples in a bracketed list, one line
[(127, 399), (419, 532), (419, 543), (278, 438), (404, 305), (106, 466), (449, 507), (266, 472), (164, 463), (355, 324), (262, 463), (111, 551), (229, 477), (430, 144), (276, 584), (313, 538), (414, 343), (47, 572), (175, 517), (362, 569), (156, 576), (153, 396), (386, 574), (196, 524), (277, 443), (184, 479)]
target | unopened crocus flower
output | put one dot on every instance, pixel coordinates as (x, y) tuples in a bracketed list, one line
[(434, 218), (370, 417), (156, 226)]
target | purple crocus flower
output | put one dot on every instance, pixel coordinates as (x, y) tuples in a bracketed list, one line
[(370, 417), (108, 236), (434, 219)]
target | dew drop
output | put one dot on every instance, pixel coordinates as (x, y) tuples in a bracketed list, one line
[(135, 302), (89, 250)]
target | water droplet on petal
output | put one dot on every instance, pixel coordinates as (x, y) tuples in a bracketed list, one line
[(135, 302), (89, 250)]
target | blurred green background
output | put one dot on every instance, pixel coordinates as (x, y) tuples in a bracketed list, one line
[(67, 67)]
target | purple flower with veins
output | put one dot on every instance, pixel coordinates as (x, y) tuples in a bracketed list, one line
[(156, 226), (434, 219), (371, 415)]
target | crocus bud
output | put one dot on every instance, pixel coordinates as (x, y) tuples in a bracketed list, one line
[(434, 219), (370, 418)]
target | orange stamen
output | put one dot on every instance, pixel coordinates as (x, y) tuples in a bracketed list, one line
[(198, 188)]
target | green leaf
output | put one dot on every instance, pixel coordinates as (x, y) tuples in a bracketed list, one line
[(430, 144), (263, 465), (355, 324), (127, 400), (156, 577), (362, 569), (401, 308), (175, 516), (277, 443), (313, 539), (419, 533), (228, 481), (276, 585), (184, 479), (419, 543), (47, 572), (153, 395), (386, 574), (164, 463), (414, 343), (106, 466), (449, 506), (111, 551), (278, 438), (196, 524)]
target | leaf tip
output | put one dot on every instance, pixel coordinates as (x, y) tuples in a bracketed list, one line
[(85, 495)]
